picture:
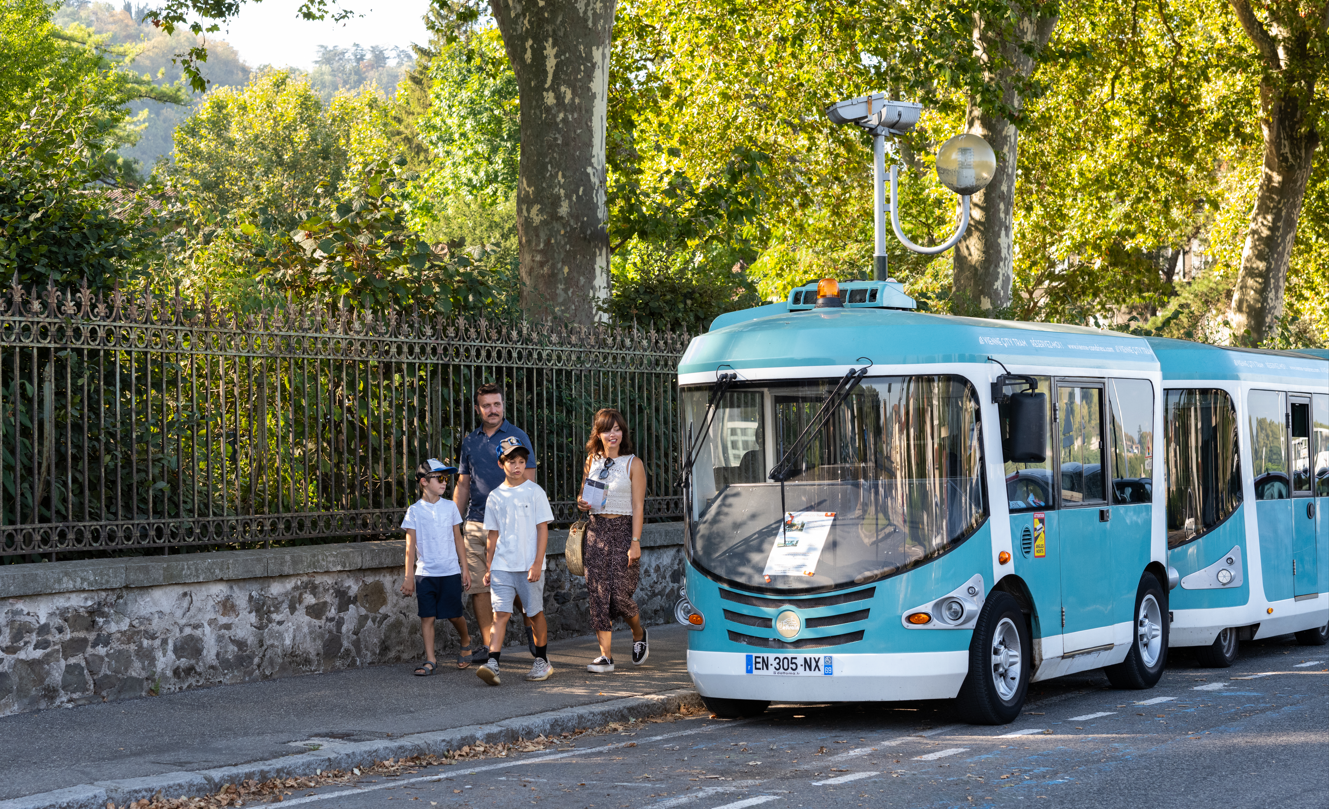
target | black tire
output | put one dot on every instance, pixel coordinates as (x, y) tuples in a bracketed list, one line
[(1314, 637), (735, 708), (1222, 653), (993, 694), (1144, 664)]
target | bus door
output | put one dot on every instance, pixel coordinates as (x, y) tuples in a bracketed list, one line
[(1267, 414), (1304, 579), (1320, 419), (1087, 583), (1031, 495)]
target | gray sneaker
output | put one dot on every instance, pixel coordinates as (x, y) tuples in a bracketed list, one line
[(489, 672), (540, 670)]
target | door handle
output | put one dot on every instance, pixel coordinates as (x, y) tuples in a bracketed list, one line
[(1310, 510), (1105, 515)]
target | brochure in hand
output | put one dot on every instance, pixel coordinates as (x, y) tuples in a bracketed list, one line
[(595, 492)]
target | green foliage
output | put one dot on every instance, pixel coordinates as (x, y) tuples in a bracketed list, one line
[(346, 70), (661, 287)]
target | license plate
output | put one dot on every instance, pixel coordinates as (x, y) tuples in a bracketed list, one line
[(791, 665)]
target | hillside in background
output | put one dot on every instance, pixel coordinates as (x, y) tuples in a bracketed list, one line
[(337, 69)]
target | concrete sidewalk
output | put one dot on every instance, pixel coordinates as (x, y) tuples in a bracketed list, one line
[(344, 712)]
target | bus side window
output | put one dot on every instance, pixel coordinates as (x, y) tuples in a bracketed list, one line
[(1320, 418), (1269, 465), (1203, 464), (1029, 484), (1132, 432)]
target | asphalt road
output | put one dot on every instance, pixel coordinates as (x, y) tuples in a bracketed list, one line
[(1253, 735)]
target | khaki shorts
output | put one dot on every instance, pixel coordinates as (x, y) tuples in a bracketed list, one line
[(476, 535)]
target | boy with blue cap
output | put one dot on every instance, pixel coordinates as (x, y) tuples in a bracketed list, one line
[(434, 550), (517, 517)]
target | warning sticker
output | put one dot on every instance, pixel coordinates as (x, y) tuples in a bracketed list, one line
[(1040, 535)]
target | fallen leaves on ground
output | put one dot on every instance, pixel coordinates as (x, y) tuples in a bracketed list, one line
[(279, 789)]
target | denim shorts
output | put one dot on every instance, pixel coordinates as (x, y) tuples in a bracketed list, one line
[(439, 596), (505, 585)]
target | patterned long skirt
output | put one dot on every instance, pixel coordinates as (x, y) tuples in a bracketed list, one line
[(610, 579)]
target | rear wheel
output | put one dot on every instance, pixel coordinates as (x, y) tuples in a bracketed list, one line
[(1314, 637), (734, 708), (1222, 652), (1143, 666), (999, 664)]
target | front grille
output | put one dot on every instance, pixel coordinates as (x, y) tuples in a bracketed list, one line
[(801, 603), (750, 620), (836, 620), (802, 643)]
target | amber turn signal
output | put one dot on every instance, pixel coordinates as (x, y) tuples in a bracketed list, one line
[(919, 618), (1003, 557), (695, 619), (1270, 610), (828, 288)]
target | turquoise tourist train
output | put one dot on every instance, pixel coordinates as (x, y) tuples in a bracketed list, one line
[(884, 504)]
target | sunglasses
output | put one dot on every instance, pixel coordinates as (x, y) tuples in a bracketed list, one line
[(439, 478), (604, 471)]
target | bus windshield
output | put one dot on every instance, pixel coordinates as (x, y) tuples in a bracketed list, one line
[(893, 478)]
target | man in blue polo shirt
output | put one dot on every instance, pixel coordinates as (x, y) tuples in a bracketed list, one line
[(479, 475)]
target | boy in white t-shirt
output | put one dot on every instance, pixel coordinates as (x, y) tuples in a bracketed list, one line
[(517, 517), (433, 548)]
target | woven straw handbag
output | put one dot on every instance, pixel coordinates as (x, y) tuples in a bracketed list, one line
[(572, 552)]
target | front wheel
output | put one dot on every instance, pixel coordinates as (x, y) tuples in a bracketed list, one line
[(1143, 666), (734, 708), (1314, 637), (999, 664), (1222, 653)]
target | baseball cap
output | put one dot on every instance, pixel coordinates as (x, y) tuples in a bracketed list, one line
[(510, 445), (436, 467)]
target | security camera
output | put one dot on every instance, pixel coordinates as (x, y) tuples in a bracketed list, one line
[(876, 112)]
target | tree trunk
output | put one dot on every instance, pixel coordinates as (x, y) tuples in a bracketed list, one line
[(985, 257), (1289, 149), (559, 51)]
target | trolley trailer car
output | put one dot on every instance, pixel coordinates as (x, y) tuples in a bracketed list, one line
[(883, 504)]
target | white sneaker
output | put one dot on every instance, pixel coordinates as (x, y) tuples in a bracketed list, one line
[(540, 670), (601, 665), (489, 672)]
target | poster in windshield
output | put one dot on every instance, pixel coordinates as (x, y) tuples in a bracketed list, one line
[(799, 544)]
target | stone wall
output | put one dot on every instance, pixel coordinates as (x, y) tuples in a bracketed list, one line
[(78, 632)]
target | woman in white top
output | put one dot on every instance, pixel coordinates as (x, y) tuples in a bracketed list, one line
[(612, 554)]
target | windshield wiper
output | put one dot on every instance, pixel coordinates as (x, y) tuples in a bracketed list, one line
[(784, 469), (722, 384)]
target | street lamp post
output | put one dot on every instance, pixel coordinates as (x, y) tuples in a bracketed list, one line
[(965, 165)]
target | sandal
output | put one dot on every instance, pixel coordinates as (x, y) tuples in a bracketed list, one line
[(463, 658), (425, 669)]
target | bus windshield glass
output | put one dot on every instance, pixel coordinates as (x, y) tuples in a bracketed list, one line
[(893, 478)]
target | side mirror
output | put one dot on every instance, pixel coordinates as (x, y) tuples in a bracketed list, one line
[(1026, 428)]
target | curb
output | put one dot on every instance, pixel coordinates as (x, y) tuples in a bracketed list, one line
[(344, 756)]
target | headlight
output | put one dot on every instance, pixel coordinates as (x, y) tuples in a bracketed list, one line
[(788, 624), (687, 615), (1224, 576), (953, 611)]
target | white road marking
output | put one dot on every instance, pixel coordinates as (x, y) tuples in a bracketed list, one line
[(862, 751), (1156, 700), (1257, 676), (1089, 716), (746, 802), (1025, 732), (702, 793), (1209, 687), (844, 779), (457, 773), (940, 754), (1308, 664)]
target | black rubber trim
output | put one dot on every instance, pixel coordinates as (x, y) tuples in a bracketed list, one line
[(836, 620), (801, 603), (802, 643), (751, 620)]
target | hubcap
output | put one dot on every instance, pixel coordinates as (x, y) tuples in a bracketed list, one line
[(1149, 631), (1228, 641), (1007, 659)]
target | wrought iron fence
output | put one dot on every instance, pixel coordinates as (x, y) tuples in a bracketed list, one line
[(131, 422)]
